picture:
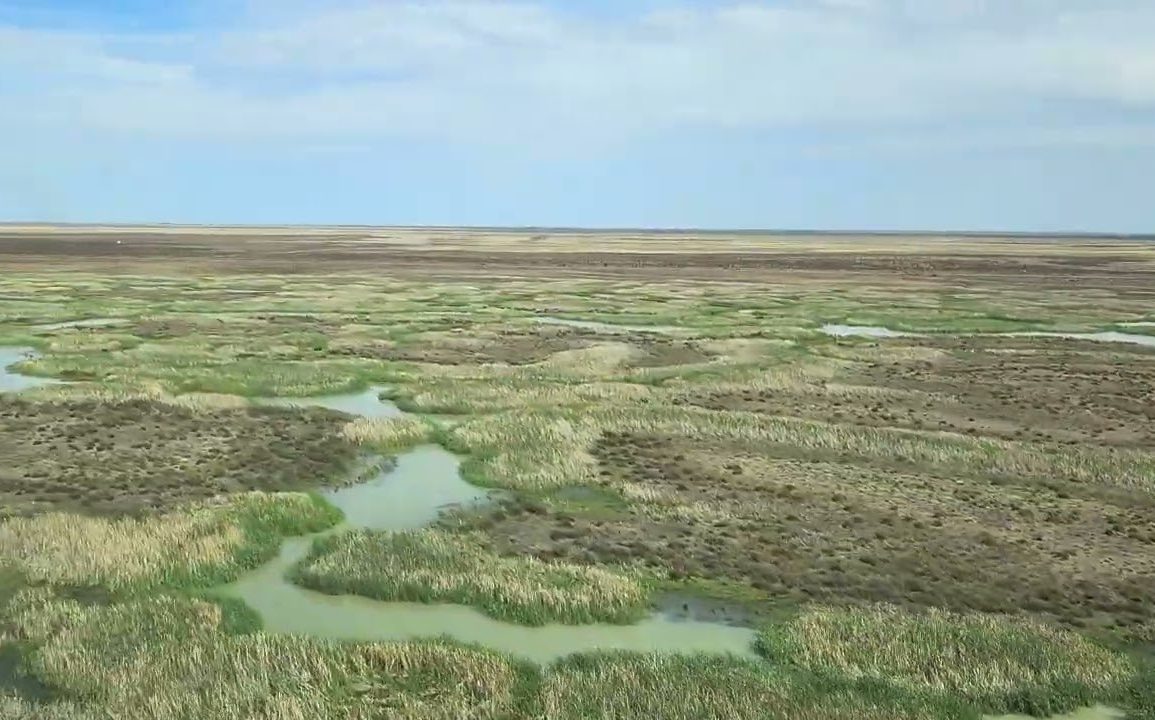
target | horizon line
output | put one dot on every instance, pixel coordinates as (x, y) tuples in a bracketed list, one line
[(595, 229)]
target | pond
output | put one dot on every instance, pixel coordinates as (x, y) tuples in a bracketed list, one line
[(424, 482), (367, 403), (12, 381)]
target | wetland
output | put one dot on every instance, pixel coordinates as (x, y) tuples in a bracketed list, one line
[(578, 494)]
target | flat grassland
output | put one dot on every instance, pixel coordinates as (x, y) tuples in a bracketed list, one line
[(954, 521)]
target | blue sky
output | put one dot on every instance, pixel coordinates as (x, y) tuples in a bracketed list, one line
[(828, 114)]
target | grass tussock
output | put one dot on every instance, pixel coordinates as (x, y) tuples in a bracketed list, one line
[(166, 658), (387, 434), (1000, 663), (200, 545), (437, 566)]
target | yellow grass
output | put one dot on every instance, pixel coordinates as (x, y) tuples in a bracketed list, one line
[(387, 433), (118, 553)]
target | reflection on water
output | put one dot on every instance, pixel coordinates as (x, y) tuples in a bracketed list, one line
[(12, 381), (365, 404), (425, 481)]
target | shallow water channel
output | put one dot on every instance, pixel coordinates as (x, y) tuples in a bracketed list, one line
[(882, 332), (364, 404), (409, 496), (424, 482)]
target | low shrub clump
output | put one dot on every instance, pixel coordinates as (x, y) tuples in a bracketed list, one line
[(437, 566)]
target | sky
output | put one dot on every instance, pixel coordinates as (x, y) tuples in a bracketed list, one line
[(1014, 115)]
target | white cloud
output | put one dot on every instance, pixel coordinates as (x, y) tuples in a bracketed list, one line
[(474, 70)]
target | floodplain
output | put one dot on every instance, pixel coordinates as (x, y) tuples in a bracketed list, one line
[(444, 474)]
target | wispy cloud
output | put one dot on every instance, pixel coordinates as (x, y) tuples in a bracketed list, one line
[(548, 73)]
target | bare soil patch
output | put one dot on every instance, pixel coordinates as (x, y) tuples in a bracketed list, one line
[(139, 456)]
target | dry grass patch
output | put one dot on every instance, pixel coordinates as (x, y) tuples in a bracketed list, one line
[(387, 433), (202, 545)]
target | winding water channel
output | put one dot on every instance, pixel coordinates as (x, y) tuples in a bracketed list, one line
[(409, 496)]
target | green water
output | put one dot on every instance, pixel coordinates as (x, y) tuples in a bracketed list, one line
[(424, 482)]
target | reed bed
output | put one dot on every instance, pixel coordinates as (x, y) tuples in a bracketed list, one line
[(622, 685), (1001, 663), (166, 658), (436, 566), (197, 546)]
